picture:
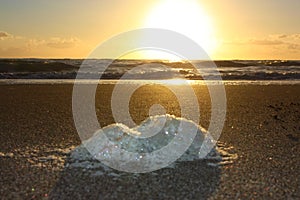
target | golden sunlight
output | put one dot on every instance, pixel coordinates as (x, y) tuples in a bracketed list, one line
[(185, 17), (175, 81), (152, 54)]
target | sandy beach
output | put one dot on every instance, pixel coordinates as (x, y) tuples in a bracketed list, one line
[(262, 128)]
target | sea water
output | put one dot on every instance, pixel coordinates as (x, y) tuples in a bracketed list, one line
[(152, 69)]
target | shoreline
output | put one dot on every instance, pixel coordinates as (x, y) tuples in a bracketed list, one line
[(166, 81)]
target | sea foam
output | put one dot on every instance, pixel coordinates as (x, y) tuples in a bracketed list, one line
[(146, 144), (66, 157)]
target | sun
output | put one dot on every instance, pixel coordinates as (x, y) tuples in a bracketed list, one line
[(186, 17)]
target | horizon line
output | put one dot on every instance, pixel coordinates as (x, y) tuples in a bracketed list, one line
[(66, 58)]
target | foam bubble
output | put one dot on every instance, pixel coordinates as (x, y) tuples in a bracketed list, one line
[(165, 127)]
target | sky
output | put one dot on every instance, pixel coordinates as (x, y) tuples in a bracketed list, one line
[(231, 29)]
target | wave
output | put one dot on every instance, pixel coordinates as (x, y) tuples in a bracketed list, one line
[(151, 70)]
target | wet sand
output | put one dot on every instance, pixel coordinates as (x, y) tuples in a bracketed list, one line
[(262, 126)]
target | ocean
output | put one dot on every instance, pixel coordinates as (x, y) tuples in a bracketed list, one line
[(238, 71)]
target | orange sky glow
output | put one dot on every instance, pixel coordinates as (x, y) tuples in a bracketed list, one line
[(232, 29)]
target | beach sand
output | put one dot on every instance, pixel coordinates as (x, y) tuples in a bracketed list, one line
[(262, 128)]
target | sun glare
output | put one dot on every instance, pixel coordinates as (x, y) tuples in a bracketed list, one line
[(175, 81), (185, 17), (152, 54)]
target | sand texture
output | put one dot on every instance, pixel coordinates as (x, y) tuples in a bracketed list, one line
[(262, 129)]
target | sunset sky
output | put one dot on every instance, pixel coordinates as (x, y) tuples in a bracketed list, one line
[(231, 29)]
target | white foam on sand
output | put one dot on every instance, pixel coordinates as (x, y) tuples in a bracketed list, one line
[(120, 136), (166, 128), (43, 156)]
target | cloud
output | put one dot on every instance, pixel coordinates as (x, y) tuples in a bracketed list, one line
[(282, 36), (265, 42), (54, 42), (32, 43), (20, 46), (63, 43), (294, 46), (4, 35), (285, 41), (255, 41), (286, 36)]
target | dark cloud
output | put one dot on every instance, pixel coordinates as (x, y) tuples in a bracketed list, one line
[(282, 36), (4, 35)]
